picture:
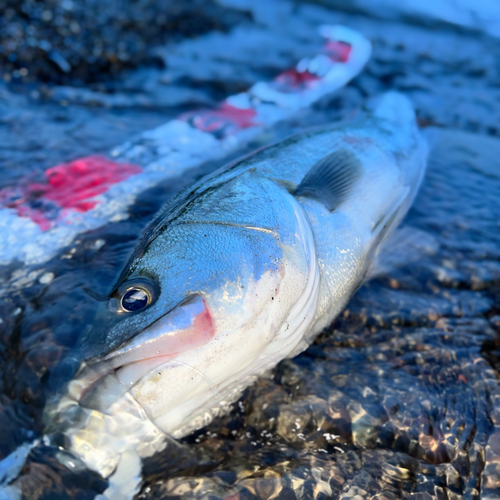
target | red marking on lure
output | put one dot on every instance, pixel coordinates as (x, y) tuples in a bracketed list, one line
[(338, 51), (72, 184), (69, 186), (293, 80), (223, 121)]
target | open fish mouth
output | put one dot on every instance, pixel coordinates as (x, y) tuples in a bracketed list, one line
[(186, 327)]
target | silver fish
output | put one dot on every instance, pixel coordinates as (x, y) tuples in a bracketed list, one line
[(236, 273)]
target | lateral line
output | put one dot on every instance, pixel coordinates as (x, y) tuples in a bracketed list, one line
[(232, 224)]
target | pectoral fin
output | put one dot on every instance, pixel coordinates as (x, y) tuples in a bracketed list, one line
[(332, 179)]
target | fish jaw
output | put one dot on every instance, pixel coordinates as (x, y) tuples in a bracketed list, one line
[(185, 328), (98, 405)]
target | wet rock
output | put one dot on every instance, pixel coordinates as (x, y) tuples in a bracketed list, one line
[(46, 478)]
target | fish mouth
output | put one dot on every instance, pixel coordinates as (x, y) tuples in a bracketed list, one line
[(184, 328)]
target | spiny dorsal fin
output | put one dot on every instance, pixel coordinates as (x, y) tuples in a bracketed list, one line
[(331, 180)]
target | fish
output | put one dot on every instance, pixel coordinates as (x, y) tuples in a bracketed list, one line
[(236, 273)]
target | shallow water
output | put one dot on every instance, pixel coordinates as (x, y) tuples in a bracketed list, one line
[(400, 398)]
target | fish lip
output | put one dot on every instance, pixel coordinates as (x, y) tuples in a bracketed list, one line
[(105, 368), (183, 322), (102, 365)]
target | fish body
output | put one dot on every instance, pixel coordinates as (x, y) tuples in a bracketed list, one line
[(238, 272)]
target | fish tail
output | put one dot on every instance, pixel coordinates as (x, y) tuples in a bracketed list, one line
[(393, 107)]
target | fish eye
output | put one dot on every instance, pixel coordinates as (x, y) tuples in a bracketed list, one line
[(136, 295), (135, 299)]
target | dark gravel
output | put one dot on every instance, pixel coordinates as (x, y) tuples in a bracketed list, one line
[(67, 41)]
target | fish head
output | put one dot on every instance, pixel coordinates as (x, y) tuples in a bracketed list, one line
[(192, 318)]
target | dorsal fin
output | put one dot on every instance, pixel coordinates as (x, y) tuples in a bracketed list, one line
[(331, 180)]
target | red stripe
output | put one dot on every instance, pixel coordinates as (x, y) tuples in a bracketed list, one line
[(68, 186)]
